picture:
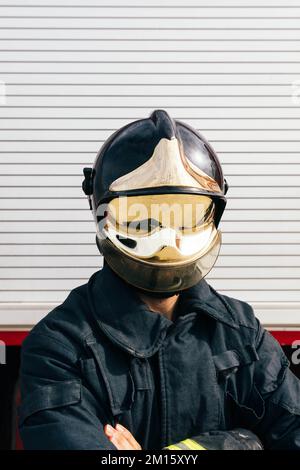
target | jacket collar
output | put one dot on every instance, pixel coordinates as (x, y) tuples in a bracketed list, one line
[(127, 321)]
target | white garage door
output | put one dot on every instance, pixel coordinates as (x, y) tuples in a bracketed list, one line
[(72, 72)]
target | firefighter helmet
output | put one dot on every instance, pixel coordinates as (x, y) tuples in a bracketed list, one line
[(157, 193)]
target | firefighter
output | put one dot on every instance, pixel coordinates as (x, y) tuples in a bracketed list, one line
[(146, 354)]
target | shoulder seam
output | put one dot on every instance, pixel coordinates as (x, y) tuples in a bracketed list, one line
[(228, 306), (37, 333)]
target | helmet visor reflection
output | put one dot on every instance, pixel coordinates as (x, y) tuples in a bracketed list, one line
[(161, 228), (143, 215)]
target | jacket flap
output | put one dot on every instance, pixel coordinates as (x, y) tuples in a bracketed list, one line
[(141, 373), (228, 361), (54, 395), (115, 371), (235, 358)]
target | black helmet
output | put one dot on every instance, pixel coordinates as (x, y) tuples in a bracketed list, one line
[(153, 161)]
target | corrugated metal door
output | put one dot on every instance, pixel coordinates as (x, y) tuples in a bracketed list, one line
[(72, 72)]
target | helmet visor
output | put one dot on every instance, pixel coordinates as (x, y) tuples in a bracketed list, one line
[(164, 228), (143, 215)]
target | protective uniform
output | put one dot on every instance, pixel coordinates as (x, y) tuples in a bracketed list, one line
[(103, 357)]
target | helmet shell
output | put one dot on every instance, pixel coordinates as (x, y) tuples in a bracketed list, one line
[(133, 146)]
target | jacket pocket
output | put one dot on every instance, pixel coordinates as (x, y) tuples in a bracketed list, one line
[(242, 402), (246, 413), (45, 397)]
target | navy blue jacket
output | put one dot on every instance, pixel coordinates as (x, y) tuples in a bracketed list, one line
[(103, 357)]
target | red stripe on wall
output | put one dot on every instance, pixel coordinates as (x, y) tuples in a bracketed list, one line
[(13, 338), (286, 337)]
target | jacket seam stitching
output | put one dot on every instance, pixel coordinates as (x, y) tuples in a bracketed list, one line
[(56, 340)]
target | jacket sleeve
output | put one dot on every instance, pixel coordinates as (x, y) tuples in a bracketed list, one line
[(276, 392), (57, 410), (236, 439)]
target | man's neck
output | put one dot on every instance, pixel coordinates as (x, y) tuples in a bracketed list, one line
[(164, 306)]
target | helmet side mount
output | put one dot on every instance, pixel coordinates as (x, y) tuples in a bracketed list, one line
[(226, 186), (87, 184)]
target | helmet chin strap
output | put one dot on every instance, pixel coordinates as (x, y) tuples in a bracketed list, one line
[(157, 295)]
